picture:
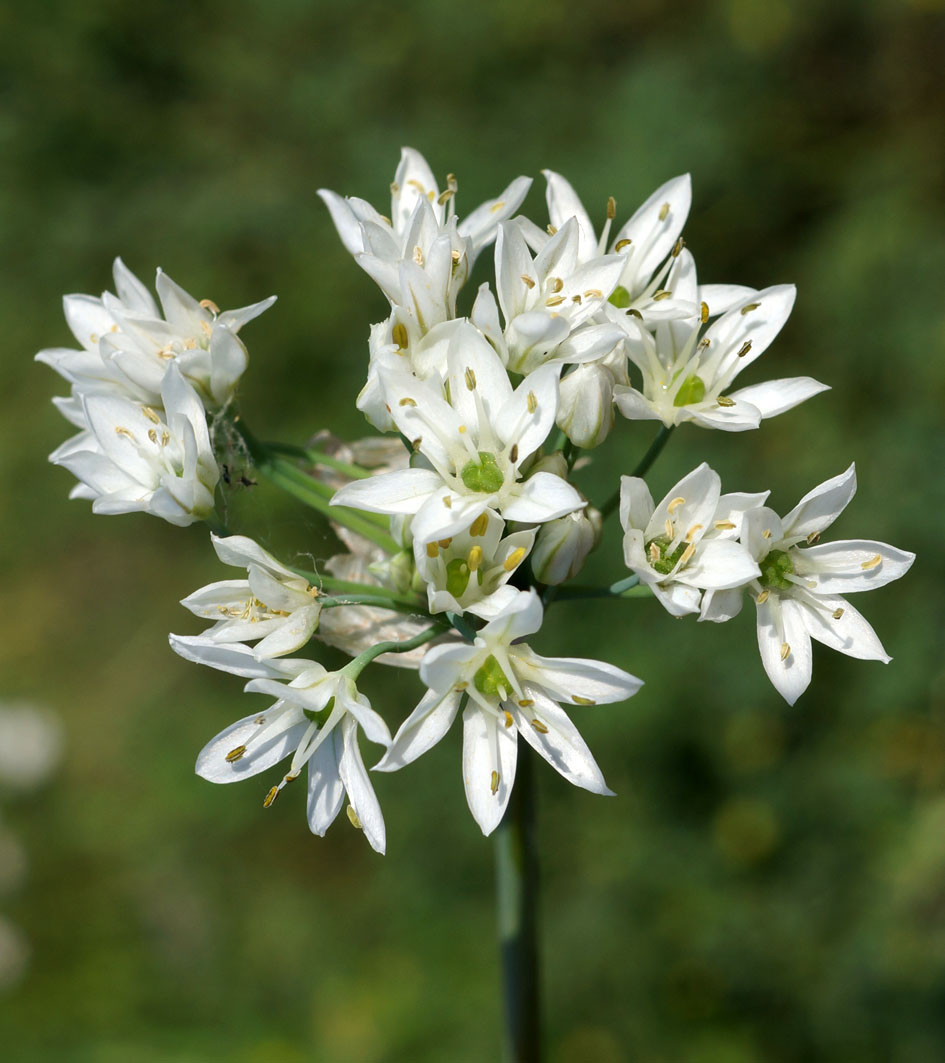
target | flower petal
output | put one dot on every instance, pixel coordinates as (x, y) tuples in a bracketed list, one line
[(358, 785), (422, 729), (852, 565), (490, 753)]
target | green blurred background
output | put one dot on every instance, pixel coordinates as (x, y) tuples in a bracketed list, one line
[(770, 883)]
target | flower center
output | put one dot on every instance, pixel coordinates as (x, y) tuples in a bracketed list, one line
[(483, 475), (775, 569), (691, 390), (490, 679), (662, 559), (620, 297)]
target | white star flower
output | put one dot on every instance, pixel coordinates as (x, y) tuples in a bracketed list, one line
[(798, 592), (671, 546), (684, 377), (474, 445), (315, 721), (274, 604), (133, 458), (511, 690)]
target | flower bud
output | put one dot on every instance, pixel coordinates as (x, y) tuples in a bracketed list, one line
[(562, 545), (586, 405), (554, 463), (396, 572)]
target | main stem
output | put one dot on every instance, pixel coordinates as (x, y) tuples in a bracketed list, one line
[(517, 906)]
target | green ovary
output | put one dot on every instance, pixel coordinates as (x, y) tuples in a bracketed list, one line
[(692, 390), (620, 297), (483, 475), (775, 568), (457, 577), (666, 562), (490, 679), (321, 715)]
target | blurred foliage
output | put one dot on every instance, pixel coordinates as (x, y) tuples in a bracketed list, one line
[(770, 884)]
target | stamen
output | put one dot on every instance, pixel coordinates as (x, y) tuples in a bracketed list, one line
[(633, 312), (551, 229), (151, 415), (209, 304), (352, 815), (498, 205), (785, 651), (664, 211), (407, 402), (152, 435), (470, 380), (529, 283), (526, 703), (724, 400), (474, 558), (556, 283), (119, 431), (748, 307), (582, 701), (660, 295), (692, 531), (576, 299), (494, 783), (813, 537), (508, 718), (447, 501), (513, 559), (416, 444), (875, 560), (704, 312), (677, 247), (669, 529), (444, 197), (418, 255), (433, 550), (270, 797), (687, 554), (532, 402), (399, 335), (235, 754), (675, 504), (703, 344), (541, 728), (611, 208), (763, 597), (444, 544), (654, 553), (479, 525), (745, 348), (837, 613), (456, 255), (766, 534), (621, 244), (513, 453), (554, 300), (593, 293), (724, 525)]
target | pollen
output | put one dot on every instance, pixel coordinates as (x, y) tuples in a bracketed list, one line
[(875, 560), (527, 281), (621, 244), (407, 401), (474, 558), (270, 797), (785, 651), (748, 307), (235, 754), (582, 701), (433, 550), (494, 782), (541, 728), (664, 212), (470, 379), (837, 613), (745, 348), (479, 525), (352, 815), (532, 402), (514, 559)]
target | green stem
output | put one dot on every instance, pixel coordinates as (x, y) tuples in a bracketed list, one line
[(319, 457), (357, 666), (516, 868), (642, 469), (625, 588)]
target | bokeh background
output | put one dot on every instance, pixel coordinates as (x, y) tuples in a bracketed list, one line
[(770, 883)]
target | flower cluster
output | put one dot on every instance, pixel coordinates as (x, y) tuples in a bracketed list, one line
[(460, 525)]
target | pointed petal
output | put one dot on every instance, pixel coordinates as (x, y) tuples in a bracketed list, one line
[(563, 203), (422, 729), (543, 496), (559, 742), (848, 633), (213, 765), (576, 680), (785, 646), (819, 508), (852, 565), (360, 791), (776, 396), (489, 757), (404, 491), (326, 791)]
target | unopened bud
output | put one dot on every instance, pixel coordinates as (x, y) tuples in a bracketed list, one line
[(554, 463), (562, 545), (586, 405)]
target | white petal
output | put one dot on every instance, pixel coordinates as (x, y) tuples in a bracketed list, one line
[(653, 236), (443, 666), (563, 203), (636, 503), (700, 491), (575, 679), (360, 791), (777, 396), (326, 791), (852, 565), (236, 659), (528, 414), (850, 633), (489, 756), (719, 606), (719, 564), (560, 743), (819, 508), (404, 491), (480, 226), (292, 634), (212, 763), (720, 298), (784, 643), (436, 520), (542, 497), (422, 729)]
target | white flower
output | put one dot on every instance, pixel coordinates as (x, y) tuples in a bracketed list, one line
[(421, 256), (684, 377), (798, 592), (134, 458), (511, 690), (469, 572), (274, 604), (670, 546), (127, 342), (475, 444), (315, 720)]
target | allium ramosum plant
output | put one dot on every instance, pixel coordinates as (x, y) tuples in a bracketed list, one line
[(461, 523)]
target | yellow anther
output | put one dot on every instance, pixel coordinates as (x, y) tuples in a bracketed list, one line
[(406, 401), (470, 379), (633, 312), (745, 348), (494, 784), (474, 558), (541, 728), (451, 183), (675, 504), (444, 544), (724, 400), (687, 554), (444, 197), (513, 453), (508, 718), (813, 537), (419, 187), (399, 335), (418, 255), (461, 686), (552, 229), (703, 344), (151, 415), (209, 304), (433, 550), (352, 815), (593, 293), (766, 534), (394, 188), (462, 429), (479, 525), (556, 283), (692, 531), (724, 525), (416, 444), (456, 255), (526, 703), (527, 281), (703, 312), (152, 435), (498, 205), (664, 212), (611, 208), (270, 797), (875, 560), (661, 295), (447, 501), (554, 300), (668, 528), (514, 559), (582, 701), (93, 337), (165, 438), (576, 299), (120, 431), (235, 754), (532, 402), (621, 244), (785, 651), (763, 597), (837, 613), (654, 553), (678, 246), (190, 344), (748, 307)]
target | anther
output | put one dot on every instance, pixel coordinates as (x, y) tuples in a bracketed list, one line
[(120, 431), (456, 254), (270, 797), (352, 815), (660, 295), (687, 554), (235, 754), (433, 550), (479, 525), (532, 402), (151, 415), (418, 255), (526, 703), (576, 299), (724, 525), (554, 300), (678, 246), (541, 728), (582, 701), (692, 531), (394, 188), (748, 307), (785, 651), (664, 212), (508, 718), (745, 348), (633, 312), (703, 312), (724, 400), (444, 544), (406, 401), (552, 229), (513, 559), (527, 281), (766, 534), (451, 183), (209, 304), (165, 438), (513, 453), (447, 501), (675, 504), (837, 613), (474, 558), (703, 344), (494, 783), (621, 244), (556, 283), (470, 380), (152, 435), (190, 344), (875, 560), (654, 553), (611, 208), (763, 597), (399, 335), (498, 205), (813, 537), (444, 197), (668, 528), (415, 445), (593, 293)]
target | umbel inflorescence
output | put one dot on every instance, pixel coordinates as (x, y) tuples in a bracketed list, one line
[(461, 521)]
